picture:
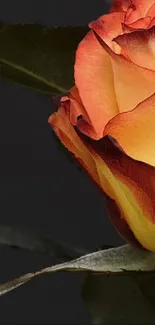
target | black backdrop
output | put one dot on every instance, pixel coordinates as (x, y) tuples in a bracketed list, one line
[(41, 188)]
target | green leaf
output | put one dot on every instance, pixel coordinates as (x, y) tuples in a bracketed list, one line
[(25, 238), (119, 300), (120, 286), (122, 261), (39, 58)]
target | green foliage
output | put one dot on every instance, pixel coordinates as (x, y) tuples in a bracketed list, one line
[(39, 58)]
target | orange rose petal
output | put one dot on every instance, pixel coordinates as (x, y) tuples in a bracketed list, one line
[(77, 113), (120, 5), (60, 122), (135, 131), (135, 9), (129, 11), (133, 83), (151, 11), (66, 133), (139, 47), (108, 27), (127, 29), (94, 80), (76, 108), (141, 23), (152, 23), (128, 185), (142, 8)]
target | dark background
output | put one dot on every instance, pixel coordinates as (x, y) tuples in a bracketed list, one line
[(41, 188)]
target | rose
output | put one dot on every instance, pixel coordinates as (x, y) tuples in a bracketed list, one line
[(108, 118)]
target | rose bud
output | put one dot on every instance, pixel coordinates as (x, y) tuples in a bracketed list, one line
[(108, 118)]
